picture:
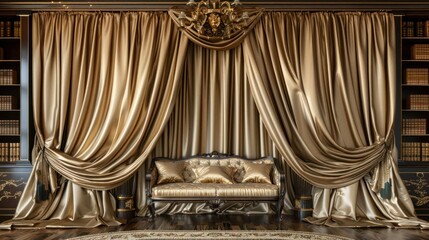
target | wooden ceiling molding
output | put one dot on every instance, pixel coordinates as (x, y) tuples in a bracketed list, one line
[(162, 5)]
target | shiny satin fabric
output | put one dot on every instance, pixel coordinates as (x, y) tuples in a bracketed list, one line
[(104, 85), (169, 172), (257, 173), (324, 84), (203, 208), (214, 174), (315, 87), (195, 190), (248, 190), (100, 102), (215, 110)]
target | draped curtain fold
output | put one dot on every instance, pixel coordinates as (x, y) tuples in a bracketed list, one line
[(104, 86), (215, 43), (324, 84)]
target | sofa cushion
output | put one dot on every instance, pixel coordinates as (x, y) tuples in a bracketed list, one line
[(197, 190), (169, 171), (234, 162), (214, 174), (185, 190), (257, 173), (248, 190)]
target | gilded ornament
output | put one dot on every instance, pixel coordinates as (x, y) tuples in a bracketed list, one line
[(129, 204), (214, 19), (7, 183), (418, 187)]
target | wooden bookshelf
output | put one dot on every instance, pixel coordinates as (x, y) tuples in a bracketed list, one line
[(15, 120), (10, 92), (413, 108), (414, 88)]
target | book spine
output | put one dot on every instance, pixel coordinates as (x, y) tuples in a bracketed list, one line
[(16, 29), (2, 28), (8, 30), (426, 28), (419, 29)]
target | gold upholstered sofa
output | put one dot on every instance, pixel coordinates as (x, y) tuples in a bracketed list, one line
[(215, 179)]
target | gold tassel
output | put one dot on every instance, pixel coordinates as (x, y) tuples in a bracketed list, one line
[(42, 190)]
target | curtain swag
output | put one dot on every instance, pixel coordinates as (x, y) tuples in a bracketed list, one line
[(330, 115), (91, 131), (211, 43)]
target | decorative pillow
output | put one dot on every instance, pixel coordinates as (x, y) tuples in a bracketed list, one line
[(169, 171), (214, 174), (257, 173)]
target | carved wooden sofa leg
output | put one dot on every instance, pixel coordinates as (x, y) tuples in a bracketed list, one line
[(280, 205), (282, 190), (150, 202), (152, 209)]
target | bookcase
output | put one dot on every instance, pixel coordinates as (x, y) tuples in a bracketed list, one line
[(15, 121), (10, 87), (413, 84)]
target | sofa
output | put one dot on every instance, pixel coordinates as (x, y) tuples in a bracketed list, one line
[(216, 179)]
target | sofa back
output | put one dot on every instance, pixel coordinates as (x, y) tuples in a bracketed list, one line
[(233, 161)]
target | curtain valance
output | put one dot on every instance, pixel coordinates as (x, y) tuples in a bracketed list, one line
[(214, 43)]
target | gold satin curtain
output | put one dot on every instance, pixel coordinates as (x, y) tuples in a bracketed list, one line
[(214, 110), (324, 84), (104, 85)]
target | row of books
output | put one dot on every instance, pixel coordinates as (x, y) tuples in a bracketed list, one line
[(10, 29), (6, 103), (415, 28), (9, 127), (417, 76), (7, 76), (420, 51), (418, 102), (414, 126), (9, 152), (415, 151)]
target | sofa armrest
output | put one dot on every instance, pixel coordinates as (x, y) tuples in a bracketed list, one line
[(150, 178), (282, 177)]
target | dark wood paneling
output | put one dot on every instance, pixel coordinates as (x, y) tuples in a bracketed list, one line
[(315, 5), (416, 179), (13, 178)]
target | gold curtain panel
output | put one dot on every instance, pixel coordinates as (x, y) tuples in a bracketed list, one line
[(104, 85)]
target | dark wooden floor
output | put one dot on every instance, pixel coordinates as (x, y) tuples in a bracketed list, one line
[(218, 222)]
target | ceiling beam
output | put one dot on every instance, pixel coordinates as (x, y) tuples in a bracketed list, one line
[(68, 5)]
